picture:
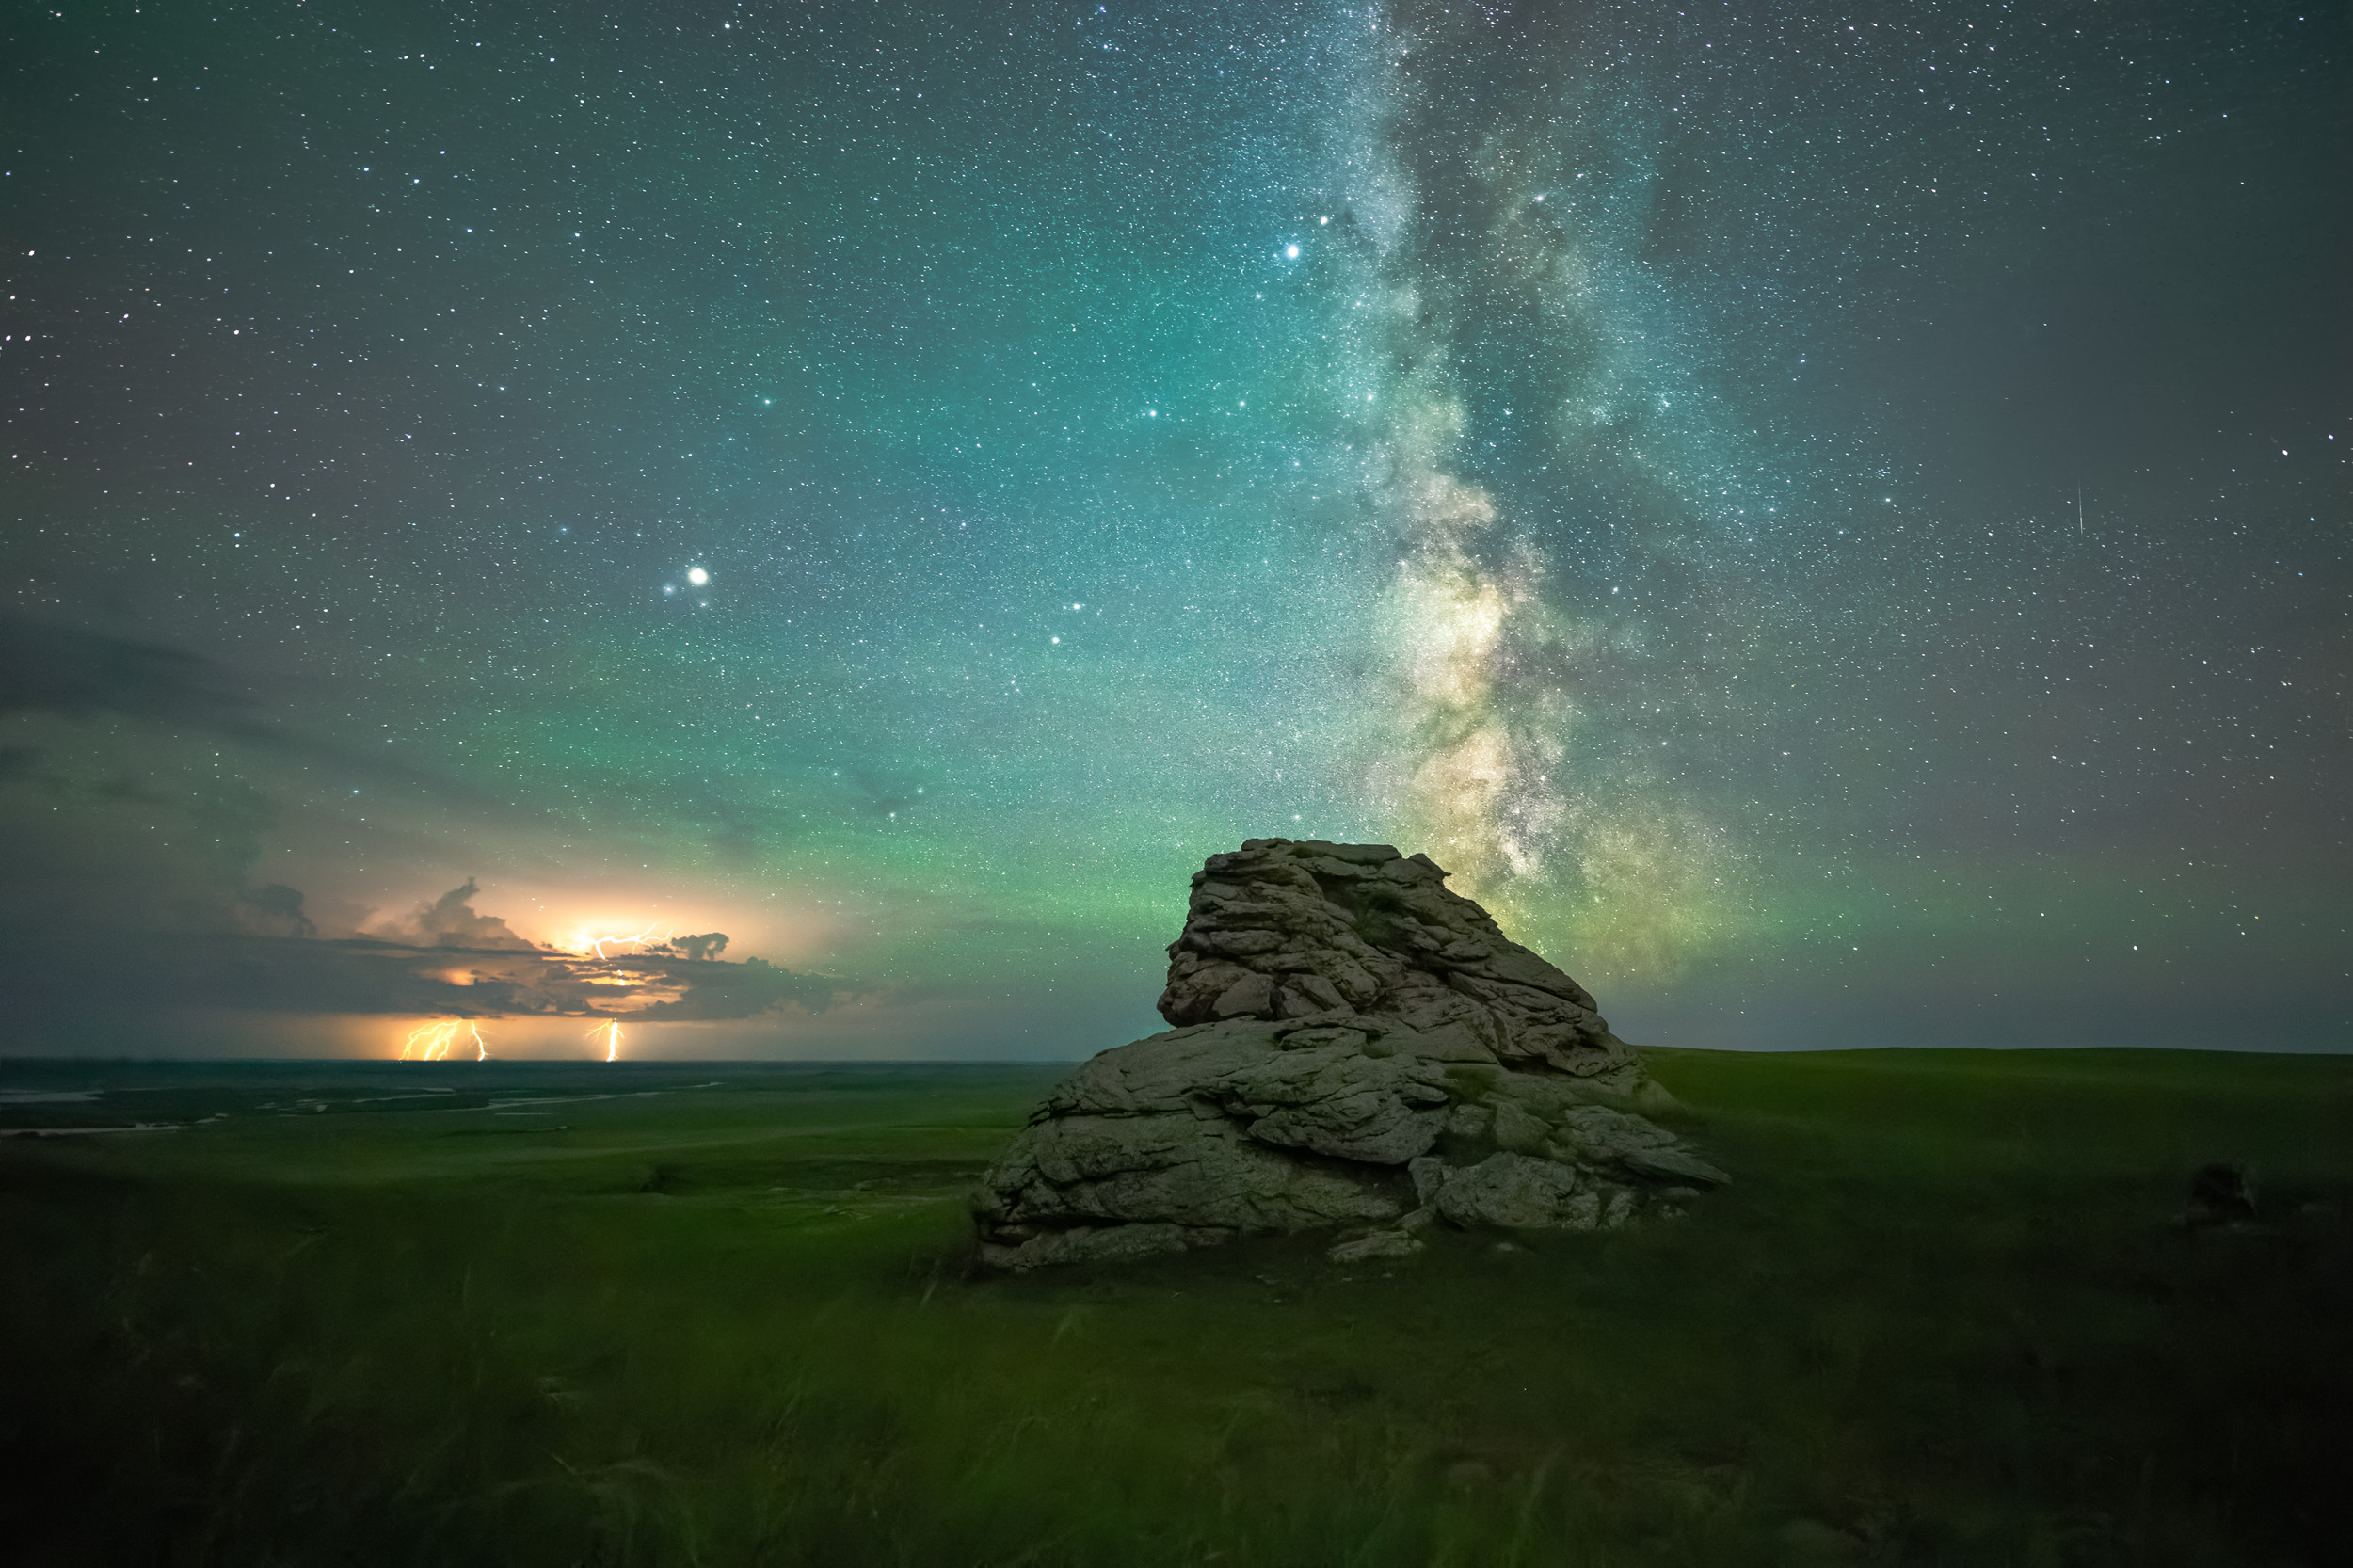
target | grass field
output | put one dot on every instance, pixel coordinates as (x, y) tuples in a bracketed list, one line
[(719, 1315)]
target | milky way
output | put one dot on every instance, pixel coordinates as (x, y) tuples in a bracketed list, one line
[(1831, 523)]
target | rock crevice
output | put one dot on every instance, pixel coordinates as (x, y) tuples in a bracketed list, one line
[(1356, 1048)]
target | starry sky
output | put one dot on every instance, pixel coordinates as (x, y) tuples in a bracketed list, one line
[(1831, 520)]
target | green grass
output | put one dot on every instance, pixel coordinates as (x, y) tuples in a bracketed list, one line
[(1945, 1316)]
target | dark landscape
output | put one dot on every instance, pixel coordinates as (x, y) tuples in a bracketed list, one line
[(546, 1313)]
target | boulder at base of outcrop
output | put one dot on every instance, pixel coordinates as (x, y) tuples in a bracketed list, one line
[(1358, 1051)]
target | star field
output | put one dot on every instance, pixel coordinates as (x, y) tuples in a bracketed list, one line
[(1833, 523)]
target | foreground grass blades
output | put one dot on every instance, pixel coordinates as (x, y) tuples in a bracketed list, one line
[(1947, 1315)]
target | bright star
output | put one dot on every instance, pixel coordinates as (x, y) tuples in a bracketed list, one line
[(1291, 252), (697, 576)]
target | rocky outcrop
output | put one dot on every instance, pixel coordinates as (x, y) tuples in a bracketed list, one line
[(1358, 1049)]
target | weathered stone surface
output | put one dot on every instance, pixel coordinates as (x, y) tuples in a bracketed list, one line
[(1357, 1046), (1515, 1191), (1379, 1244)]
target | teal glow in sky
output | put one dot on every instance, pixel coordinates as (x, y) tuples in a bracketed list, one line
[(1832, 524)]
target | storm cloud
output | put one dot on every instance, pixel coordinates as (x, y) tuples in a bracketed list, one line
[(150, 972), (450, 921)]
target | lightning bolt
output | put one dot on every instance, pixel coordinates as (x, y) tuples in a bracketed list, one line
[(637, 939), (431, 1042), (612, 1033)]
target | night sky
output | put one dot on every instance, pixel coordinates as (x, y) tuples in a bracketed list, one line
[(1830, 522)]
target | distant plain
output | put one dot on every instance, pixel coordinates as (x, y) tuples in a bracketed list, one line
[(721, 1313)]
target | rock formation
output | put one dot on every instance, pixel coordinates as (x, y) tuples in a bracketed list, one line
[(1357, 1049)]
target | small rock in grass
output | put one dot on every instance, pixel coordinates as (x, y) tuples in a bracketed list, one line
[(1381, 1243), (2221, 1195), (1813, 1539)]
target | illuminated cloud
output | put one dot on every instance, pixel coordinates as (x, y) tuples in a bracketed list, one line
[(450, 921)]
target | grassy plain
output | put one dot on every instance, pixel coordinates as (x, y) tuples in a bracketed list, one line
[(719, 1315)]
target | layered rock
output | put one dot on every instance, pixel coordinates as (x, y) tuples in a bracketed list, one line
[(1358, 1048)]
